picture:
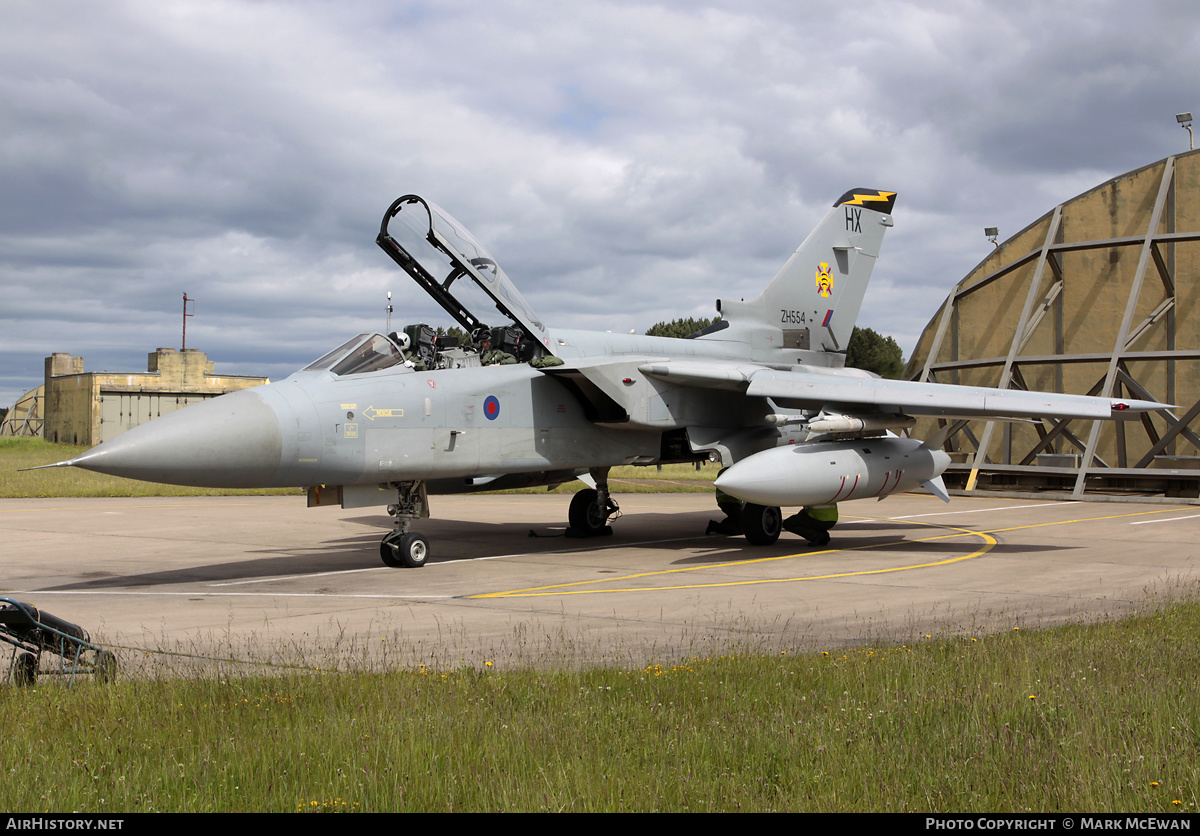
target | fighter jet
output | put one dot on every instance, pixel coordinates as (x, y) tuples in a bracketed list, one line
[(390, 419)]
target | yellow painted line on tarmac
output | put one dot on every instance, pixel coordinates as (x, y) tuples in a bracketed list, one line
[(986, 536), (562, 589)]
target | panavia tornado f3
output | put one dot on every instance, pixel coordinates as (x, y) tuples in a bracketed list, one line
[(391, 419)]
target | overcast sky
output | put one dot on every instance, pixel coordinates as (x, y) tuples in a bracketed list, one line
[(625, 162)]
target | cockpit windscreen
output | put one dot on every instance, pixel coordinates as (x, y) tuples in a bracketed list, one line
[(364, 353)]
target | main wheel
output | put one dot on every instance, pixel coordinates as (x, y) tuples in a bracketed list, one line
[(761, 524), (586, 513)]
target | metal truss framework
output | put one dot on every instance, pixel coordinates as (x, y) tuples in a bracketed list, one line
[(1082, 463), (26, 416)]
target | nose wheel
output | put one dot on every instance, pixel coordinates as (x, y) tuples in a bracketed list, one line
[(404, 551), (403, 548)]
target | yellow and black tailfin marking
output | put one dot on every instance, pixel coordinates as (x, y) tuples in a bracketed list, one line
[(871, 198)]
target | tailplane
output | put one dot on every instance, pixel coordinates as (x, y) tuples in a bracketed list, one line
[(813, 302)]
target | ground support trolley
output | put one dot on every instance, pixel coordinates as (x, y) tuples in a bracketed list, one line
[(33, 632)]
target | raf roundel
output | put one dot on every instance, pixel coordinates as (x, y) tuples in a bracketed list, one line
[(491, 408)]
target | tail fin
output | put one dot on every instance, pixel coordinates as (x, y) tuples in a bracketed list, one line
[(814, 300)]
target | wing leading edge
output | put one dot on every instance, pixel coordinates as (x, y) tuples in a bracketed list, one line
[(817, 389)]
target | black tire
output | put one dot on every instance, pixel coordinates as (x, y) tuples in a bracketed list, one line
[(586, 513), (105, 666), (25, 670), (388, 554), (405, 551), (761, 524), (414, 551), (410, 551)]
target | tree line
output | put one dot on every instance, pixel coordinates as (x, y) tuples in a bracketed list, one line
[(868, 349)]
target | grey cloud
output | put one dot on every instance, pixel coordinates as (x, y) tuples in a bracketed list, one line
[(625, 162)]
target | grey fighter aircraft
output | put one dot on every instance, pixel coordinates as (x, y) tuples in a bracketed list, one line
[(388, 420)]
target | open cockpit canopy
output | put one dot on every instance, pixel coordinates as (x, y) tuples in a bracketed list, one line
[(437, 251)]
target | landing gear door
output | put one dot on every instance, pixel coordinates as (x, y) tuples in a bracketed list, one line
[(440, 251)]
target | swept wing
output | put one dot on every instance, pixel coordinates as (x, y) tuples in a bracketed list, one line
[(819, 389)]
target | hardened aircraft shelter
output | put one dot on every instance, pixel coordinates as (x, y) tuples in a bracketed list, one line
[(1099, 296), (77, 407)]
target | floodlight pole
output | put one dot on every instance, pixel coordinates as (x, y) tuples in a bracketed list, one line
[(185, 316), (1185, 121)]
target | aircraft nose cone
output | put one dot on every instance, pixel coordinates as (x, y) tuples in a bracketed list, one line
[(232, 441)]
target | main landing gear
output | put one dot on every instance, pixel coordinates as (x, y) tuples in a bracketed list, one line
[(591, 509), (762, 524), (403, 547)]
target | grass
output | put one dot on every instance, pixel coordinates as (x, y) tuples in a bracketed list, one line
[(1083, 718), (1098, 718), (17, 453), (667, 478)]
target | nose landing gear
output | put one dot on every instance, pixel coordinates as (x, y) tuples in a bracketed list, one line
[(403, 547)]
